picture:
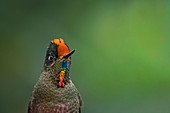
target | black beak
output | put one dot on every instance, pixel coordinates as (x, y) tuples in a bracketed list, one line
[(67, 55)]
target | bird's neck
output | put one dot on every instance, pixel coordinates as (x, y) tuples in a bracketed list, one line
[(59, 74), (47, 90)]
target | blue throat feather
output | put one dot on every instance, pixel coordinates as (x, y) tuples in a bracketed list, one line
[(64, 65)]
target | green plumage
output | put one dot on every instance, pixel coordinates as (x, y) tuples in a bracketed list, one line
[(48, 96)]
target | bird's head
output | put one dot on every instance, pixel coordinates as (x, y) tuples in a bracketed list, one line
[(58, 61)]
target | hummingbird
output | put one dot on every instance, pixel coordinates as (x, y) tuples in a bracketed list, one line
[(54, 91)]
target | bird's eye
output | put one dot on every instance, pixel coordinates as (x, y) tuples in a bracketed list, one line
[(50, 58)]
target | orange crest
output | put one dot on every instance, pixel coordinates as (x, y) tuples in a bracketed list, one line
[(62, 47)]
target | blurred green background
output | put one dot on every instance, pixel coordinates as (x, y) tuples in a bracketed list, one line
[(123, 52)]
